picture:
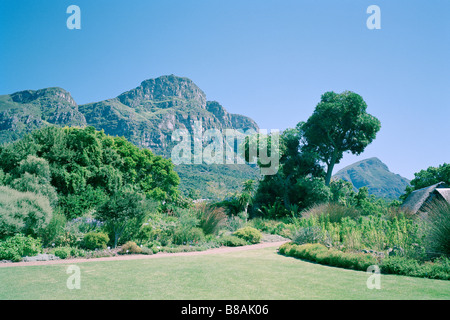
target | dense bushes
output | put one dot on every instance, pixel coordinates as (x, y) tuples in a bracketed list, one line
[(397, 242), (321, 254), (232, 241), (95, 240), (18, 246), (211, 218), (22, 212), (439, 269), (437, 239), (249, 234), (85, 167)]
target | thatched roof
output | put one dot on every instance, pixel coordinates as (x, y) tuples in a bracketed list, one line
[(417, 199), (445, 193)]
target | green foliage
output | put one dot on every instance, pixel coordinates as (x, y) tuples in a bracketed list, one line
[(95, 240), (249, 234), (126, 208), (18, 246), (232, 241), (321, 254), (211, 218), (85, 167), (130, 247), (437, 227), (61, 252), (354, 233), (298, 182), (431, 175), (23, 212), (188, 236), (428, 177), (438, 269), (236, 221), (187, 230), (339, 124), (311, 234), (332, 211), (55, 228)]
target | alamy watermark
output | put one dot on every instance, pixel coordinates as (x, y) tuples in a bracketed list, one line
[(374, 280), (230, 146), (74, 280), (374, 20)]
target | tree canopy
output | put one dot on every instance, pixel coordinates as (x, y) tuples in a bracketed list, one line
[(339, 124), (86, 167)]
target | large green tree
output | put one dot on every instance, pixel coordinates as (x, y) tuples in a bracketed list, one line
[(299, 180), (339, 124), (126, 207), (86, 167), (428, 177)]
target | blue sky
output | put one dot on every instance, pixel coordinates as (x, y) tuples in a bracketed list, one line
[(269, 60)]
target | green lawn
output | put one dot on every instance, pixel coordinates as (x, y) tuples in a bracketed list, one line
[(255, 275)]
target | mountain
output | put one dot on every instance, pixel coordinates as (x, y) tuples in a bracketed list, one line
[(147, 116), (25, 111), (375, 175)]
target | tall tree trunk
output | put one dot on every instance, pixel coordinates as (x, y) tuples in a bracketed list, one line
[(330, 169)]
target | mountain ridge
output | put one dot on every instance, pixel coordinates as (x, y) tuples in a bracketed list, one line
[(145, 115), (376, 176)]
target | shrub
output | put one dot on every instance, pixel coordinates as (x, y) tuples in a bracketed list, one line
[(95, 240), (333, 212), (438, 225), (249, 234), (319, 253), (62, 252), (55, 229), (236, 221), (18, 246), (23, 212), (130, 247), (232, 241), (188, 236), (211, 217), (311, 234), (439, 269)]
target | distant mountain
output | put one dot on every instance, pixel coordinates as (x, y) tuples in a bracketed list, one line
[(375, 175), (25, 111), (146, 115)]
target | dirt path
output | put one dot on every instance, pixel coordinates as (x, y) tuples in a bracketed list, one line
[(143, 256)]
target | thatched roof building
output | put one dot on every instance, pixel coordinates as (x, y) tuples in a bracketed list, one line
[(419, 199)]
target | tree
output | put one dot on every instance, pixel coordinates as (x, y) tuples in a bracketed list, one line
[(299, 180), (339, 124), (84, 167), (124, 208), (431, 175), (245, 198), (428, 177), (34, 176)]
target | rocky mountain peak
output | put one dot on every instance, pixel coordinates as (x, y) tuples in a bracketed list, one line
[(162, 89), (30, 96)]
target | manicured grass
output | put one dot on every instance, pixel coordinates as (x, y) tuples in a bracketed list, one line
[(254, 275)]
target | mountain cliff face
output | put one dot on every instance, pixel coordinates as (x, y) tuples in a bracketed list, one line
[(146, 115), (25, 111), (375, 175)]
